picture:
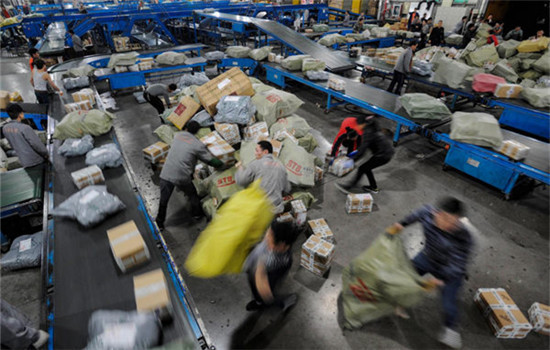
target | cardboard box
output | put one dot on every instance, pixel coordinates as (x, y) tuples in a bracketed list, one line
[(285, 134), (341, 166), (317, 255), (285, 217), (78, 106), (508, 90), (359, 203), (502, 314), (88, 176), (151, 293), (539, 316), (121, 43), (336, 84), (392, 58), (156, 151), (229, 132), (319, 227), (219, 148), (184, 111), (146, 63), (256, 132), (514, 149), (271, 57), (319, 173), (4, 99), (232, 82), (83, 95), (127, 245), (299, 211), (121, 69), (277, 145), (371, 52)]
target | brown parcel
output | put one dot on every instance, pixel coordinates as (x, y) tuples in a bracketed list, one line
[(502, 314), (151, 292), (319, 227), (185, 110), (232, 82), (87, 176), (4, 99), (156, 151), (127, 245), (539, 315), (317, 255)]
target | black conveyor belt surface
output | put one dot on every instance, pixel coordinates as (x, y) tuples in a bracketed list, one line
[(292, 38), (86, 277), (33, 108)]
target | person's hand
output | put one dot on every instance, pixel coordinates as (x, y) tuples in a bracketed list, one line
[(394, 229), (60, 93), (239, 165), (431, 283)]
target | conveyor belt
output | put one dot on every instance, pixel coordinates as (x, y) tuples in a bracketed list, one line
[(20, 185), (291, 38)]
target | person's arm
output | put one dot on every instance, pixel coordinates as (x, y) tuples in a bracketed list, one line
[(32, 80), (244, 176), (48, 78), (166, 98), (362, 148), (337, 145), (409, 219), (409, 65), (262, 283), (207, 157), (34, 142)]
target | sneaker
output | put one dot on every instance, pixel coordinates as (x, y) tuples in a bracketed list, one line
[(289, 301), (254, 305), (450, 338), (42, 339), (343, 188), (371, 189)]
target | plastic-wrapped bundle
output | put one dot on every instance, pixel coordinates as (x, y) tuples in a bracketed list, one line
[(316, 75), (105, 156), (542, 64), (480, 129), (123, 59), (112, 329), (89, 206), (76, 147), (543, 81), (83, 70), (502, 69), (320, 28), (235, 109), (422, 68), (139, 97), (203, 118), (171, 58), (537, 97), (451, 73), (313, 64), (75, 83), (260, 54), (422, 106), (331, 39), (193, 79), (508, 48), (237, 51), (294, 62), (166, 133), (25, 251), (214, 55)]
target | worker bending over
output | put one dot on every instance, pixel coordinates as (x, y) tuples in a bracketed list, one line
[(153, 93), (345, 136)]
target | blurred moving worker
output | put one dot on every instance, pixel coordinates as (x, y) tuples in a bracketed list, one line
[(40, 79), (268, 263), (179, 167), (461, 26), (77, 44), (402, 68), (358, 26), (447, 249), (354, 123), (26, 144), (516, 34), (16, 331), (34, 57), (345, 23), (492, 38), (437, 36), (379, 143), (153, 93), (468, 35), (271, 171)]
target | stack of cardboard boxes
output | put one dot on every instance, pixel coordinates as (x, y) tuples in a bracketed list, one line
[(256, 132), (359, 203), (514, 149), (219, 148), (319, 227), (229, 132), (299, 211), (146, 63), (121, 43), (317, 255), (232, 82), (156, 152)]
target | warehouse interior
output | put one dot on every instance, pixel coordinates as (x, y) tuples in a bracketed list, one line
[(64, 283)]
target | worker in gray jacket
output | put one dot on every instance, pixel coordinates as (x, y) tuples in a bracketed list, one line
[(402, 68), (271, 172), (27, 145), (153, 93), (179, 167), (77, 44)]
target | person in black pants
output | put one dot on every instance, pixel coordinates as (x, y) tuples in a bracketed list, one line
[(153, 93), (402, 68), (437, 36), (380, 144)]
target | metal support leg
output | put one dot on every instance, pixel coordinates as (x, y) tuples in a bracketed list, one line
[(397, 134), (510, 186)]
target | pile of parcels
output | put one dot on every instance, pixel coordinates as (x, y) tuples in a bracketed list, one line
[(122, 43), (235, 112), (512, 70), (84, 100), (7, 97), (505, 318)]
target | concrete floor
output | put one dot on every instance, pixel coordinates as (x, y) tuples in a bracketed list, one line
[(511, 249)]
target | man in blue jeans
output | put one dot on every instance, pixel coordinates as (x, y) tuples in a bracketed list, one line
[(446, 252)]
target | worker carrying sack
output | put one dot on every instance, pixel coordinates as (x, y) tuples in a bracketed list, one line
[(537, 97), (79, 123), (293, 63), (235, 110), (105, 156), (237, 51), (275, 104), (299, 164), (260, 54), (122, 330), (89, 206), (422, 106), (25, 251), (377, 281), (480, 129), (486, 82), (76, 147), (238, 225), (171, 58)]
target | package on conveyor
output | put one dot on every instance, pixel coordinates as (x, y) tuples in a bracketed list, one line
[(539, 316), (279, 59), (121, 43), (294, 62), (285, 217), (317, 75), (121, 69), (156, 151), (151, 293), (341, 166), (232, 82), (336, 84), (229, 132), (256, 132), (313, 64), (502, 314), (359, 203), (78, 106), (391, 59), (260, 54), (371, 52), (486, 82), (317, 255), (299, 211), (108, 155), (219, 148), (214, 55), (504, 90), (127, 246), (319, 227), (171, 58), (184, 111), (146, 63), (88, 176), (76, 147), (271, 57), (74, 83), (355, 52), (83, 95), (514, 149), (237, 51)]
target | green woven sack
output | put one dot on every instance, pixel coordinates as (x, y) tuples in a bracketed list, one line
[(537, 97), (237, 51), (321, 28), (308, 142), (480, 129), (542, 64), (275, 104), (294, 124), (293, 63), (261, 53), (508, 48), (422, 106), (166, 133), (299, 164), (479, 57), (79, 123), (313, 64)]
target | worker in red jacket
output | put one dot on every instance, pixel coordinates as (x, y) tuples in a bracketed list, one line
[(352, 123)]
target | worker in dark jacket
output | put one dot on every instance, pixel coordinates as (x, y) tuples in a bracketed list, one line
[(402, 68), (469, 35), (380, 145), (153, 94), (437, 36), (348, 139), (356, 124), (27, 145), (446, 252), (179, 168)]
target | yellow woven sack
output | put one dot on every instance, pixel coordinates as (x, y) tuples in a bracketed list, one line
[(534, 45)]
